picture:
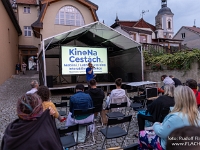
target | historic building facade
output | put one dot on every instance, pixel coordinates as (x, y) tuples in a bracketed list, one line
[(10, 32)]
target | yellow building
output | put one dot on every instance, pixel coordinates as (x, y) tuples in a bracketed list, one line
[(34, 20), (45, 18), (10, 32)]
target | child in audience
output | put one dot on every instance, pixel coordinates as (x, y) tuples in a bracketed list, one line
[(44, 93)]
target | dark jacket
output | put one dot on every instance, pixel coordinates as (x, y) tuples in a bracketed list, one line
[(80, 100), (97, 95), (40, 134), (177, 82), (156, 107)]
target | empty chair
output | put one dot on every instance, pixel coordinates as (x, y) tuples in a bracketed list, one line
[(61, 106), (68, 140), (116, 131), (65, 98), (132, 147), (117, 112)]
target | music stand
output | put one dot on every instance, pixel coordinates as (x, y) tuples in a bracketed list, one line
[(60, 77)]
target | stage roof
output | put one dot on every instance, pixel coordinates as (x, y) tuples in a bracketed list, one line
[(95, 34)]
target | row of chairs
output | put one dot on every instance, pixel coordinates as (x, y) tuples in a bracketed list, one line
[(109, 132)]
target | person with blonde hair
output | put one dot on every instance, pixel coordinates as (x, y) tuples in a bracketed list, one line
[(184, 113), (154, 110)]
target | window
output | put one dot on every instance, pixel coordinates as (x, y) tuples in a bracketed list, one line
[(143, 38), (169, 24), (133, 36), (27, 31), (69, 15), (183, 35), (27, 10)]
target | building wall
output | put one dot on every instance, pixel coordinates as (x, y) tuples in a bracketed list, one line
[(26, 19), (193, 73), (192, 40), (8, 44), (49, 26)]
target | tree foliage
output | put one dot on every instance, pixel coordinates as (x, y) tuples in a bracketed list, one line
[(178, 60)]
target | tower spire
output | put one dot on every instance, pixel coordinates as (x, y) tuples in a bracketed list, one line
[(194, 23), (164, 3), (117, 19)]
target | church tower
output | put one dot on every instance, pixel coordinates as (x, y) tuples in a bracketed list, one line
[(164, 22)]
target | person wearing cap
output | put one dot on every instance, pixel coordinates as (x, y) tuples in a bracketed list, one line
[(82, 101)]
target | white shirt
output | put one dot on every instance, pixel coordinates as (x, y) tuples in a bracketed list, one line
[(32, 91), (168, 80)]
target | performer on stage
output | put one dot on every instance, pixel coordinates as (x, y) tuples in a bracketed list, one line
[(89, 73)]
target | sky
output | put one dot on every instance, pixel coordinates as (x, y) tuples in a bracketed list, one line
[(185, 11)]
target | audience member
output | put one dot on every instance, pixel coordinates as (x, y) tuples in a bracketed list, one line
[(193, 85), (82, 101), (154, 110), (177, 82), (118, 95), (24, 67), (184, 113), (17, 68), (44, 93), (166, 80), (34, 85), (198, 85), (184, 138), (34, 129), (95, 93)]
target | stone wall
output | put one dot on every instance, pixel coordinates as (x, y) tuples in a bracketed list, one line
[(193, 73)]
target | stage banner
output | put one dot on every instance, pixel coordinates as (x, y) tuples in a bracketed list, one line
[(75, 60)]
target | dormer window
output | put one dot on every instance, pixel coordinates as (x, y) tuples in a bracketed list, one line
[(183, 35), (27, 10)]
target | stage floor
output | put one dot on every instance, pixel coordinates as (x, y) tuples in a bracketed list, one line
[(73, 85)]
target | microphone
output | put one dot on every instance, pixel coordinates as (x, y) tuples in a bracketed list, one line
[(93, 66)]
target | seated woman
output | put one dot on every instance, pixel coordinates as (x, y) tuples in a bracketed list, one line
[(118, 95), (153, 112), (184, 113), (44, 94), (34, 129)]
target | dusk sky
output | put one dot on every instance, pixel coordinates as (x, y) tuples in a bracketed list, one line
[(185, 11)]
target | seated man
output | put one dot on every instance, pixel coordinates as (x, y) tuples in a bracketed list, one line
[(96, 94), (34, 85), (193, 85), (82, 101), (118, 95)]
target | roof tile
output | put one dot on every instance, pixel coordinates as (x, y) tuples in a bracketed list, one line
[(195, 29), (29, 2)]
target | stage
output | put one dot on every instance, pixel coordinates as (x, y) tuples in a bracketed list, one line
[(73, 85)]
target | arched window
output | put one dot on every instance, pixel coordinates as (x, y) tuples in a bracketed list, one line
[(68, 15), (169, 24)]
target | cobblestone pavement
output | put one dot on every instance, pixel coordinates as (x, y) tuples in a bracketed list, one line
[(16, 86)]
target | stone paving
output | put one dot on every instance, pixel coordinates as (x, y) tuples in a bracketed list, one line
[(17, 85)]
